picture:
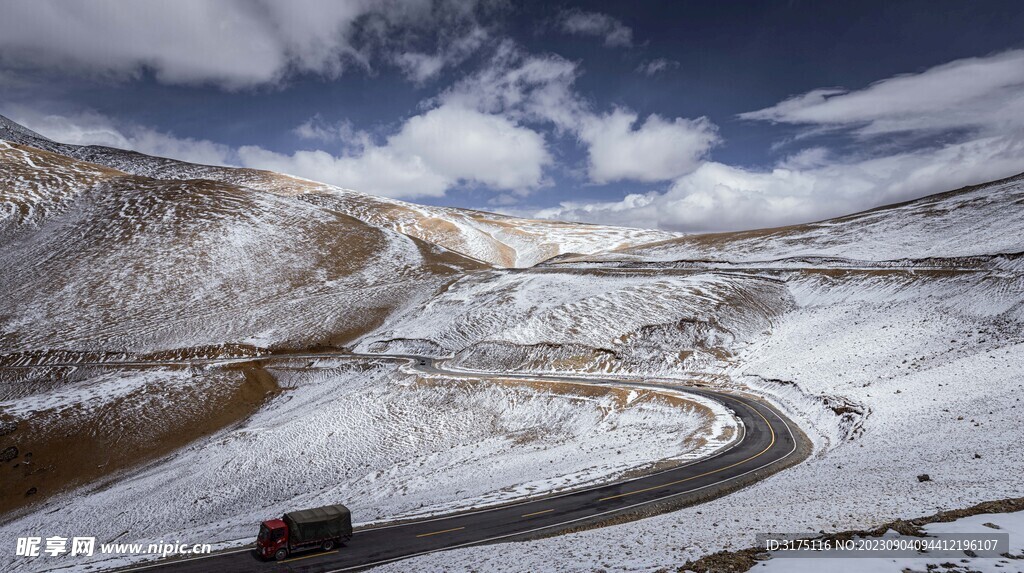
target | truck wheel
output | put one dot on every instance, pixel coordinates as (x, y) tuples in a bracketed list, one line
[(281, 554), (327, 545)]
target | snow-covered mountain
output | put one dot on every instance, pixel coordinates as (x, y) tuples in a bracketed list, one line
[(496, 239), (96, 259), (981, 219), (893, 337)]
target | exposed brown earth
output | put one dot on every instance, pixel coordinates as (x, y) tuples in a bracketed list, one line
[(59, 448)]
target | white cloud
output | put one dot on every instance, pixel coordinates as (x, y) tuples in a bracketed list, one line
[(230, 43), (466, 144), (656, 66), (719, 197), (483, 130), (539, 88), (614, 32), (971, 93), (978, 102), (430, 154), (90, 128), (808, 158), (352, 140), (656, 150), (536, 88), (379, 170), (420, 67)]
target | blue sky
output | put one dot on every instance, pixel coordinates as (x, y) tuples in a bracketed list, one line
[(690, 116)]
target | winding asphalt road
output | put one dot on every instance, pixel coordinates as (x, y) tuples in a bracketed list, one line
[(767, 442)]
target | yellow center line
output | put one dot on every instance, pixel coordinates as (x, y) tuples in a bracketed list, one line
[(305, 557), (757, 455), (538, 513), (440, 532)]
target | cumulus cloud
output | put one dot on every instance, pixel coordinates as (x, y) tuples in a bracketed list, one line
[(484, 130), (90, 128), (614, 32), (379, 170), (539, 88), (430, 154), (976, 103), (468, 145), (420, 67), (971, 93), (342, 132), (230, 43), (807, 187), (510, 99), (656, 150)]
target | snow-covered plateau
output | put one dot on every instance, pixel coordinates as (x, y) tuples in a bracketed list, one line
[(894, 338)]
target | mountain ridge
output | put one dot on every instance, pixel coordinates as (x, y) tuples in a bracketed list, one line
[(499, 240)]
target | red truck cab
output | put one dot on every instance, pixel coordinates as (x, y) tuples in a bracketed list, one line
[(273, 538), (324, 527)]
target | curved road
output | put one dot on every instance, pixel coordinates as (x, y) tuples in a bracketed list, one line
[(767, 441)]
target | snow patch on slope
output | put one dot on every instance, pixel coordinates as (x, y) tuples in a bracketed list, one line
[(549, 321)]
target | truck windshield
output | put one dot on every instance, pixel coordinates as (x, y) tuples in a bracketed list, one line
[(264, 533)]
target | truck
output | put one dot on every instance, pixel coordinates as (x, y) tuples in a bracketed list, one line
[(322, 527)]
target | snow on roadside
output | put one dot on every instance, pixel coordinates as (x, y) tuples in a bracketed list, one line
[(936, 364), (387, 445)]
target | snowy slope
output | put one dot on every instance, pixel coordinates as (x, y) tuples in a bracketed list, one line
[(388, 444), (98, 260), (562, 321), (893, 371), (501, 240), (934, 364), (73, 426), (497, 239), (980, 220)]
